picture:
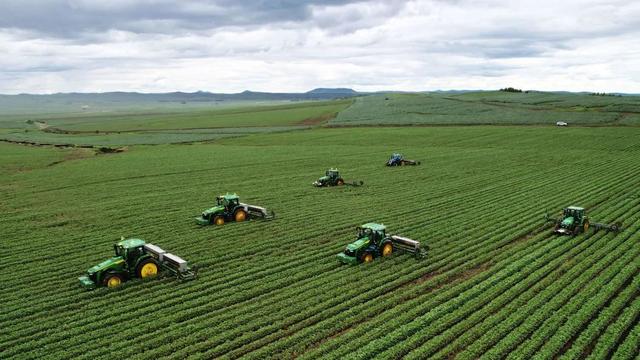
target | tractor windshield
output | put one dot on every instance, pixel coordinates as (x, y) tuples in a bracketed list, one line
[(118, 250), (362, 232), (219, 200)]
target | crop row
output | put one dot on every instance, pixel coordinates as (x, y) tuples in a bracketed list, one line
[(356, 320), (498, 331), (437, 315)]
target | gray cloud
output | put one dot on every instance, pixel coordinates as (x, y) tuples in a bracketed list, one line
[(288, 45), (74, 18)]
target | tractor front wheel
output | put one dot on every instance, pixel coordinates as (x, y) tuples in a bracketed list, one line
[(367, 257), (340, 182), (147, 268), (586, 226), (240, 215), (387, 249), (113, 280), (218, 220)]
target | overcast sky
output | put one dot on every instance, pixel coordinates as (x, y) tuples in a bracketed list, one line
[(295, 45)]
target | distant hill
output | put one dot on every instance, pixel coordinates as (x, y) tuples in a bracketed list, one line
[(61, 102), (119, 96), (337, 91)]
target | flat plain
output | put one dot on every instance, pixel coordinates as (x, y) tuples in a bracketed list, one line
[(496, 282)]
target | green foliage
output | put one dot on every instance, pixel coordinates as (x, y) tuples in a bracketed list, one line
[(495, 283), (171, 125), (489, 107), (511, 89)]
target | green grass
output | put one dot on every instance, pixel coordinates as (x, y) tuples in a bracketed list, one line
[(23, 158), (168, 125), (150, 137), (490, 108), (242, 116), (137, 124), (494, 282)]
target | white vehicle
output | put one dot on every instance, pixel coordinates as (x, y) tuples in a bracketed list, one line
[(561, 123)]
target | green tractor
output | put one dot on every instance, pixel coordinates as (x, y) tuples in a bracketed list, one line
[(332, 178), (372, 241), (229, 208), (135, 259), (574, 221)]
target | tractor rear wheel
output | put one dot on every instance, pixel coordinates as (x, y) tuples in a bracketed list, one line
[(113, 280), (147, 268), (240, 215), (367, 257), (576, 230), (616, 227), (340, 182), (218, 220), (387, 249)]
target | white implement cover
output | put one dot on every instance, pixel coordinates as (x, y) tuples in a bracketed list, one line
[(155, 251), (168, 259), (176, 262), (258, 211), (406, 243)]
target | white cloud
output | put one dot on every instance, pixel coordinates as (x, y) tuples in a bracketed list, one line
[(374, 45)]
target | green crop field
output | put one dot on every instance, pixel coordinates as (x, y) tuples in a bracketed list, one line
[(130, 126), (491, 107), (496, 282)]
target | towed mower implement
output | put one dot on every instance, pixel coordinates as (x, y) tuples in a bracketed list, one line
[(135, 259), (332, 178), (229, 208), (574, 221), (372, 241), (407, 245), (398, 160)]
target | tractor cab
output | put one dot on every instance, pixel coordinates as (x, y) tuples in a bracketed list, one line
[(573, 221), (577, 213), (395, 158), (228, 201), (130, 250), (332, 174), (372, 231), (571, 215), (331, 178), (372, 241)]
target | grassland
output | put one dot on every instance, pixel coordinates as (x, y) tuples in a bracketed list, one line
[(144, 124), (495, 284), (491, 107), (166, 125)]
